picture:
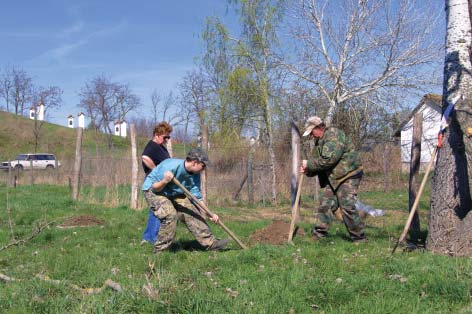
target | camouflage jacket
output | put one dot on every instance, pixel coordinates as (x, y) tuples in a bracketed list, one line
[(333, 156)]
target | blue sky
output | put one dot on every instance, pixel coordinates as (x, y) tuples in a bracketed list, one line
[(147, 44)]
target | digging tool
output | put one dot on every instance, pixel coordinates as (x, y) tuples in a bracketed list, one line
[(417, 199), (202, 207), (295, 209)]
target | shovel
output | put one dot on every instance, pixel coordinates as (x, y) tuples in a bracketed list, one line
[(202, 207), (295, 209), (417, 200)]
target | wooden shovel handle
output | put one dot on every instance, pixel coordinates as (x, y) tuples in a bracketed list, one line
[(295, 209), (417, 200), (205, 209)]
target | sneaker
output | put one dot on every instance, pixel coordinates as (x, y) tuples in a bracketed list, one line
[(218, 245)]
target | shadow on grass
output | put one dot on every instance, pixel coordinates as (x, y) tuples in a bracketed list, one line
[(188, 245)]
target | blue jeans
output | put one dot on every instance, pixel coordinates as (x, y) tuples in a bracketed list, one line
[(152, 228)]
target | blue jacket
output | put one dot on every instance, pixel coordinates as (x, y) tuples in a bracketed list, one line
[(191, 181)]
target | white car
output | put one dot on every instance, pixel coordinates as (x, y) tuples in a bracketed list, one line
[(38, 161)]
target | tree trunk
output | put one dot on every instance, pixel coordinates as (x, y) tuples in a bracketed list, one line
[(450, 226), (415, 163)]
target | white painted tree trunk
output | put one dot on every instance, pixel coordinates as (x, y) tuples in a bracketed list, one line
[(450, 225)]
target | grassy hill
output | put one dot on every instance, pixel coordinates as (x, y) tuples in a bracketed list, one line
[(17, 136)]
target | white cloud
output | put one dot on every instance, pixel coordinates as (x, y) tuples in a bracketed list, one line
[(59, 53)]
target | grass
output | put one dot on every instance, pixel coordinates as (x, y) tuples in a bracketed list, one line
[(330, 276)]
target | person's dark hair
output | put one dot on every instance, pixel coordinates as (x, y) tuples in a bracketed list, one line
[(197, 154), (162, 128)]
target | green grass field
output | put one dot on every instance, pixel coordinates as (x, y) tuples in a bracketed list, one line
[(331, 276)]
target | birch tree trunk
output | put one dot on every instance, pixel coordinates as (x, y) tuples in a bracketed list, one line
[(450, 225)]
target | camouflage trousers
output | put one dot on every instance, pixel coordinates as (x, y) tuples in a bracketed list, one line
[(344, 196), (169, 211)]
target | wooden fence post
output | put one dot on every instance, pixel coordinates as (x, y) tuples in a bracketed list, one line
[(10, 183), (250, 175), (415, 163), (170, 149), (77, 165), (295, 160), (31, 172), (56, 169), (134, 168), (204, 173), (386, 166)]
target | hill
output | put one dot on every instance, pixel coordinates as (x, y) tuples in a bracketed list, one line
[(17, 135)]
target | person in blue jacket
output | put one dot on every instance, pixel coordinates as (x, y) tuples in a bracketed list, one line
[(169, 203)]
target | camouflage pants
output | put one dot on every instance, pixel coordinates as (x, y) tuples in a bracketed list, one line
[(169, 210), (344, 196)]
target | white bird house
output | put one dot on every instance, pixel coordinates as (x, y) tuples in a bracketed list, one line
[(120, 128), (70, 121), (81, 120)]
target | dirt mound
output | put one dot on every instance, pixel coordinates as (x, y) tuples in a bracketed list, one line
[(275, 233), (81, 221)]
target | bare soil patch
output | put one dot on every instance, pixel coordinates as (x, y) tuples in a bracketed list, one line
[(276, 233), (81, 221)]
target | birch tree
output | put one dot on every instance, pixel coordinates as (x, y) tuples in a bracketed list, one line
[(352, 48), (450, 225)]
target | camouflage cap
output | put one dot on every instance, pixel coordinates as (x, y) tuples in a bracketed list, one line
[(199, 155), (312, 123)]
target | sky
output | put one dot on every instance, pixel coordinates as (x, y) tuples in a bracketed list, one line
[(148, 44)]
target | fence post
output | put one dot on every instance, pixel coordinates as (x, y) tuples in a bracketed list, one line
[(414, 172), (170, 149), (250, 174), (56, 169), (31, 172), (386, 166), (134, 169), (77, 165), (295, 160), (10, 183), (204, 173)]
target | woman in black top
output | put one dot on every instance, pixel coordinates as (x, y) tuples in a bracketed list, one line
[(154, 153)]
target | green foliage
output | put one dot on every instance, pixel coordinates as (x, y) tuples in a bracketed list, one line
[(331, 276)]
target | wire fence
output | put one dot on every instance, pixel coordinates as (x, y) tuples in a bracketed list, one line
[(107, 179)]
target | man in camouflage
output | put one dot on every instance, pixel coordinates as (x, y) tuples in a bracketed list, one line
[(339, 169), (168, 201)]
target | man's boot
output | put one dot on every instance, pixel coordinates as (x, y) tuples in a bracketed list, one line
[(218, 245)]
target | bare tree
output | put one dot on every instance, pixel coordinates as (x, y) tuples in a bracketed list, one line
[(51, 98), (6, 86), (126, 101), (155, 105), (450, 224), (193, 94), (21, 89), (105, 102), (351, 48)]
